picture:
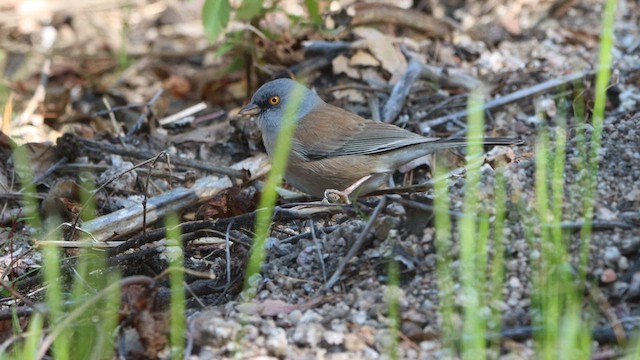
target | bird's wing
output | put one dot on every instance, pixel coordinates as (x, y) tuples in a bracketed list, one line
[(353, 135)]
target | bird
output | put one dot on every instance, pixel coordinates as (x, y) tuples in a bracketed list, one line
[(336, 151)]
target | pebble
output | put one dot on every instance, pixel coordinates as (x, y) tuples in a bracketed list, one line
[(426, 305), (295, 316), (277, 342), (359, 317), (514, 283), (611, 254), (620, 288), (353, 342), (333, 337), (310, 316), (308, 334), (428, 345), (623, 263), (608, 276), (629, 246)]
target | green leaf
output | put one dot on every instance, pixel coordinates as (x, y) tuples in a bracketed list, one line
[(314, 11), (249, 9), (215, 17)]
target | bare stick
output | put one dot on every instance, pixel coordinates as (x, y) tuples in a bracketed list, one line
[(401, 90), (520, 94), (129, 220), (102, 147)]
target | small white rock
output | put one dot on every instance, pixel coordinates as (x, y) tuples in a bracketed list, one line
[(333, 337), (611, 254), (277, 342), (359, 317)]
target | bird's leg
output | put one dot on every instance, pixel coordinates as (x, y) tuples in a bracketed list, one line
[(343, 197)]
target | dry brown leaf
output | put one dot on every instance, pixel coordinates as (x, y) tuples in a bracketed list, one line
[(363, 58), (500, 155), (341, 66), (352, 95), (381, 46)]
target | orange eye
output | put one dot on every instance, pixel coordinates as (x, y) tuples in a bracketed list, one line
[(274, 100)]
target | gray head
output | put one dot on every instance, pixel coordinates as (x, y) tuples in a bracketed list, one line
[(271, 100)]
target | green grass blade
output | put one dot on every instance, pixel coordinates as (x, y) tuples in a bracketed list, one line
[(268, 199), (443, 260), (176, 280), (472, 290)]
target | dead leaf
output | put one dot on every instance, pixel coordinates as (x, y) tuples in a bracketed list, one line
[(341, 66), (178, 85), (363, 58), (231, 202), (500, 155), (382, 47), (352, 95)]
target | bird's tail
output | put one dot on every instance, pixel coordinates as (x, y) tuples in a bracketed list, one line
[(460, 141), (400, 158)]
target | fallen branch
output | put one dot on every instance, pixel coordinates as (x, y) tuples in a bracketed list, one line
[(365, 14), (503, 100), (73, 142), (401, 91), (130, 220)]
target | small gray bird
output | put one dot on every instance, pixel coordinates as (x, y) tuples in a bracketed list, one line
[(333, 149)]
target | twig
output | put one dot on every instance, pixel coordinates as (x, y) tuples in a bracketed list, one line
[(324, 47), (227, 254), (182, 114), (147, 111), (48, 172), (280, 214), (401, 90), (114, 123), (17, 295), (503, 100), (146, 187), (317, 246), (609, 313), (38, 95), (74, 225), (128, 220), (450, 77), (308, 234), (356, 246), (595, 225), (75, 167), (102, 148)]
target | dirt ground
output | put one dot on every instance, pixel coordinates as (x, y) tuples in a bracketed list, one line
[(150, 60)]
